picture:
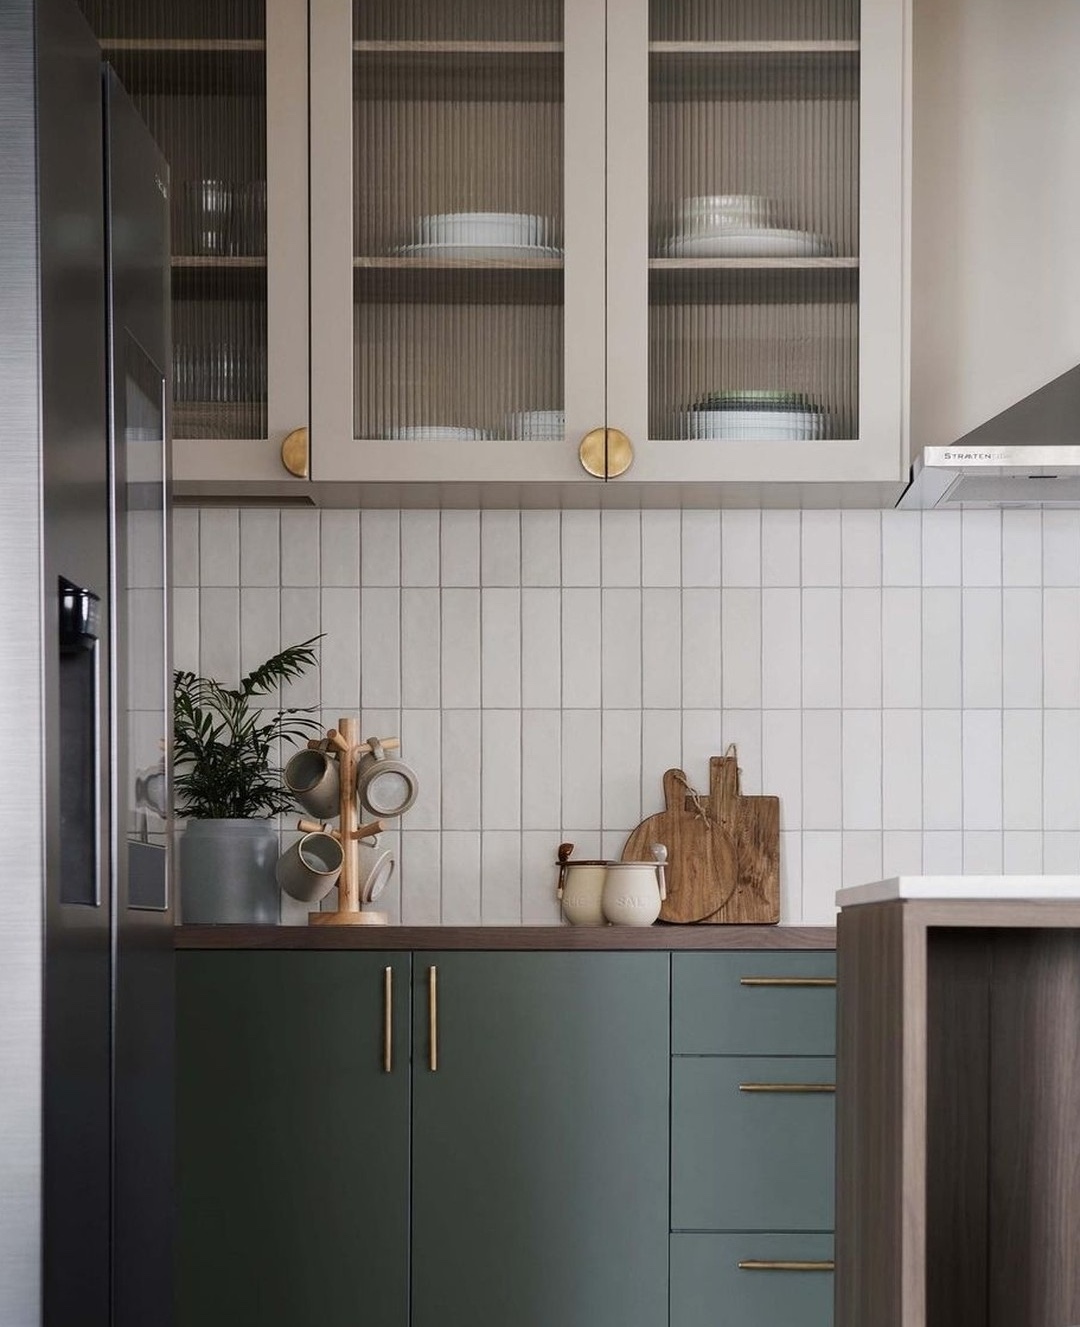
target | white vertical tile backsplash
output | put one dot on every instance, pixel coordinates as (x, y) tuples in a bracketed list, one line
[(219, 546), (540, 554), (581, 548), (260, 548), (701, 547), (420, 548), (740, 548), (869, 666), (661, 548), (860, 548), (781, 548), (339, 548)]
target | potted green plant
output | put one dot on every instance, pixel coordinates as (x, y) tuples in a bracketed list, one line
[(228, 784)]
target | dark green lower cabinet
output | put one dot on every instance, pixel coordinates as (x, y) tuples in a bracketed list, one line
[(540, 1141), (773, 1287), (293, 1142), (534, 1157)]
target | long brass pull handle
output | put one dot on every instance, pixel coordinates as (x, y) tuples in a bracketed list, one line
[(388, 1021), (433, 1018), (768, 1265), (787, 1087), (787, 981)]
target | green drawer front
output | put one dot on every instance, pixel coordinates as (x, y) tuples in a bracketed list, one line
[(709, 1289), (751, 1160), (725, 1004)]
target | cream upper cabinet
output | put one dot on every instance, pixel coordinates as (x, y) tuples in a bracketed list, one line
[(458, 227), (224, 90), (678, 221)]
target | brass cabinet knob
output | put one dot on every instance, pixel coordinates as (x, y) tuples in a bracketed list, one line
[(296, 453), (606, 453)]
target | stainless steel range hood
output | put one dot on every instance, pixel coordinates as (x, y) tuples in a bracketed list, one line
[(1028, 456)]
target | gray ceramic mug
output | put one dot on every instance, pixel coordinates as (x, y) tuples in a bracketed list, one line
[(313, 778), (309, 870), (384, 787)]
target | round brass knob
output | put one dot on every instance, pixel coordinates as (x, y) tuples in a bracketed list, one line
[(296, 453), (606, 453)]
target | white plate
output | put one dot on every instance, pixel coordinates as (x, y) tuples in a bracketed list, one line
[(494, 251), (436, 433), (747, 243)]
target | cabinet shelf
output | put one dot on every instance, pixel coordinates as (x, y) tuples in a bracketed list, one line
[(750, 264), (201, 263), (196, 277), (770, 48), (458, 70), (171, 66), (392, 280), (753, 280), (704, 70)]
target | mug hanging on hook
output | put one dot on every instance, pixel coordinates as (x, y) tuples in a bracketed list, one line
[(384, 787)]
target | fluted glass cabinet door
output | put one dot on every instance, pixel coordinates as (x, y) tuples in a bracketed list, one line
[(223, 88), (458, 238), (756, 208)]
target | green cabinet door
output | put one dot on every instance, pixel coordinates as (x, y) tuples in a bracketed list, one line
[(540, 1140), (293, 1140)]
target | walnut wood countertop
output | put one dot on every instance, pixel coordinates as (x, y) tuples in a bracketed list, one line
[(506, 937)]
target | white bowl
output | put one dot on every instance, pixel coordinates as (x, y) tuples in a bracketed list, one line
[(435, 433), (726, 209), (518, 228), (754, 425), (537, 425)]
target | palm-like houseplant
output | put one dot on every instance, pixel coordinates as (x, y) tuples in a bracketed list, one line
[(228, 783)]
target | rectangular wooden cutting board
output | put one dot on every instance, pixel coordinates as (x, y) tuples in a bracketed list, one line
[(723, 850)]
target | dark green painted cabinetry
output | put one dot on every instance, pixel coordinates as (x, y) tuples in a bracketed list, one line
[(293, 1142), (540, 1171), (752, 1139), (580, 1155)]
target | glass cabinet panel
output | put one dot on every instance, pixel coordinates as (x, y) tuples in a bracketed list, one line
[(754, 141), (198, 76), (457, 221)]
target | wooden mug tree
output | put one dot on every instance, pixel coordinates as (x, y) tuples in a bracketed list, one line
[(350, 912)]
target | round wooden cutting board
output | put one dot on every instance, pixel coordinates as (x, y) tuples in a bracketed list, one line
[(723, 852)]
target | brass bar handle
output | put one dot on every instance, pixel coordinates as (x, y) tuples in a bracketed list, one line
[(388, 1021), (769, 1265), (433, 1019), (787, 981), (787, 1087)]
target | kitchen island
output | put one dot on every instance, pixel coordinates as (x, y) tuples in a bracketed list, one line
[(958, 1103)]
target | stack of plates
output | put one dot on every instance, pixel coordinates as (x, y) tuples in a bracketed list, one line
[(755, 416), (737, 226), (537, 425), (436, 433), (481, 235)]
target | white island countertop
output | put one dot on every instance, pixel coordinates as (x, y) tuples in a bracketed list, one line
[(971, 888)]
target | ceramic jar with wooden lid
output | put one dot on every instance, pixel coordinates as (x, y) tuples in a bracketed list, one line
[(634, 891), (581, 889)]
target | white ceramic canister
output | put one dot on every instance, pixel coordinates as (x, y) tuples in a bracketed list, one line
[(582, 886), (633, 892)]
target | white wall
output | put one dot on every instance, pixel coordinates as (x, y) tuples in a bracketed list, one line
[(908, 684), (996, 197)]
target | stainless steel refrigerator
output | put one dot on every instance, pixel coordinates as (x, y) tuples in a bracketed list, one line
[(85, 888)]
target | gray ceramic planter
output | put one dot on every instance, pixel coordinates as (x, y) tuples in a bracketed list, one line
[(227, 872)]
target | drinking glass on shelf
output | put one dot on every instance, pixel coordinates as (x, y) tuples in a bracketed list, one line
[(209, 207), (248, 233)]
